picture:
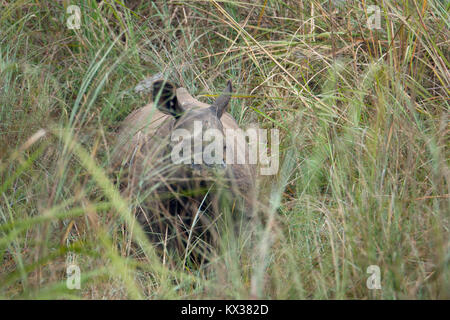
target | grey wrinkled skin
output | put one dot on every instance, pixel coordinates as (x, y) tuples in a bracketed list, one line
[(171, 197)]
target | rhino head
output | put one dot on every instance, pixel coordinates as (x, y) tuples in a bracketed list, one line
[(197, 131)]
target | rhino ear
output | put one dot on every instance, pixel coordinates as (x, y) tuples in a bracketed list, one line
[(165, 98), (220, 105)]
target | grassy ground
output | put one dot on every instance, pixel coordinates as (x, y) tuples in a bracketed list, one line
[(363, 119)]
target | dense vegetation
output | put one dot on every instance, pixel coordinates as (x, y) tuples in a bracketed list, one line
[(363, 119)]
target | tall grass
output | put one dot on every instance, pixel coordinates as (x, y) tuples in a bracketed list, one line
[(363, 119)]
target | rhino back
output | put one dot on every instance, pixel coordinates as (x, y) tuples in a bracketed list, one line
[(146, 131), (141, 127)]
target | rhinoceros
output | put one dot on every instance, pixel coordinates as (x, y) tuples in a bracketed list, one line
[(178, 199)]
